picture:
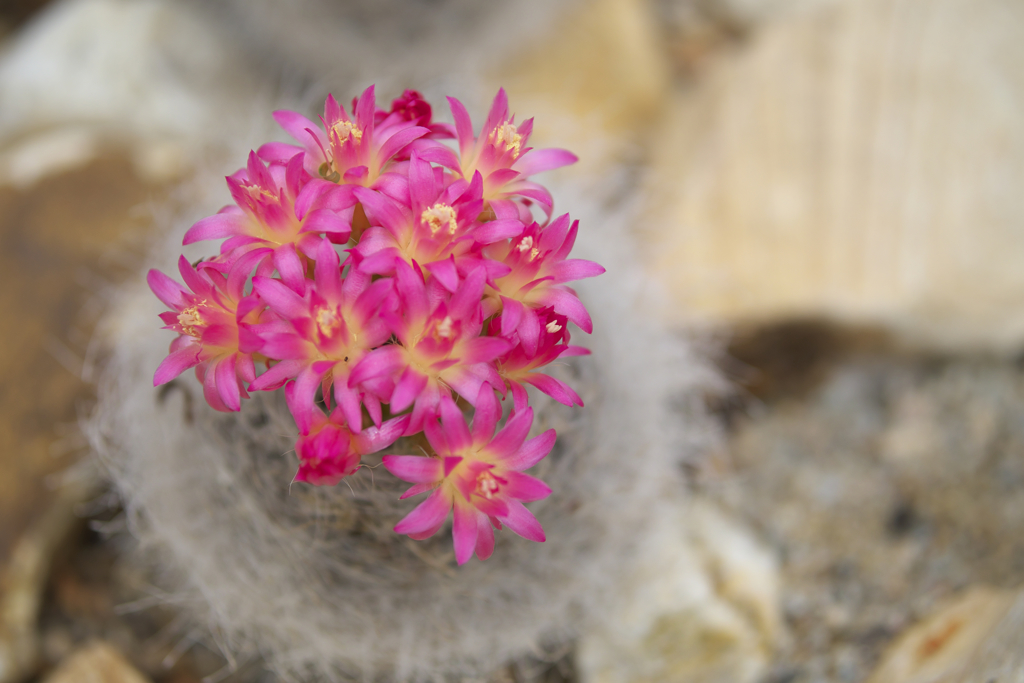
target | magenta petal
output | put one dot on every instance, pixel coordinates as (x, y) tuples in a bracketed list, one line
[(277, 151), (445, 272), (524, 487), (227, 384), (277, 375), (554, 388), (415, 469), (540, 160), (574, 269), (287, 262), (325, 220), (484, 537), (501, 229), (430, 514), (416, 490), (488, 412), (215, 227), (296, 125), (280, 298), (408, 389), (568, 304), (454, 424), (167, 290), (521, 521), (176, 363), (463, 126), (385, 360), (464, 531), (511, 315), (531, 452), (512, 435)]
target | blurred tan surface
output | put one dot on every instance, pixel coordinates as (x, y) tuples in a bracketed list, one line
[(595, 81), (54, 238), (864, 162)]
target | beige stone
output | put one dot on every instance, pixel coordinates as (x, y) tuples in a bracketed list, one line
[(96, 663), (595, 81), (702, 606), (977, 637), (862, 161)]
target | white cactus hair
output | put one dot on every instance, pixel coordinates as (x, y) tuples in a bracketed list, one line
[(314, 580)]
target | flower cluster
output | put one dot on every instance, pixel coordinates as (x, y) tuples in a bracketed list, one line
[(387, 283)]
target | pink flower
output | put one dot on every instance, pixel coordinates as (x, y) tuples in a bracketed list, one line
[(349, 150), (502, 157), (321, 334), (518, 367), (477, 473), (212, 321), (328, 450), (440, 346), (439, 222), (278, 211), (538, 270)]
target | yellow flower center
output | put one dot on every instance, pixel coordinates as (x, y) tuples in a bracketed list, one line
[(506, 136), (439, 215), (526, 244), (444, 328), (189, 319), (258, 193), (327, 322), (486, 485), (343, 130)]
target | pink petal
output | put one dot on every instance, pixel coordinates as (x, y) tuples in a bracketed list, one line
[(415, 469), (287, 262), (215, 227), (488, 412), (554, 388), (385, 360), (176, 363), (524, 487), (521, 521), (227, 383), (445, 272), (280, 298), (408, 389), (428, 515), (484, 538), (531, 452), (540, 160), (464, 531), (167, 290), (574, 269), (454, 424), (512, 435)]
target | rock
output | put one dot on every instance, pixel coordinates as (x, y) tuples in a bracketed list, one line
[(96, 663), (853, 162), (702, 606), (978, 637), (596, 79), (147, 76), (25, 577)]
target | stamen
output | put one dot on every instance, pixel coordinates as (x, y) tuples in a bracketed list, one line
[(343, 130), (258, 194), (525, 244), (553, 327), (327, 322), (189, 319), (487, 485), (508, 137), (440, 214), (444, 328)]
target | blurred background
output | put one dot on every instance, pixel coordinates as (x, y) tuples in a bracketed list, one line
[(831, 193)]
